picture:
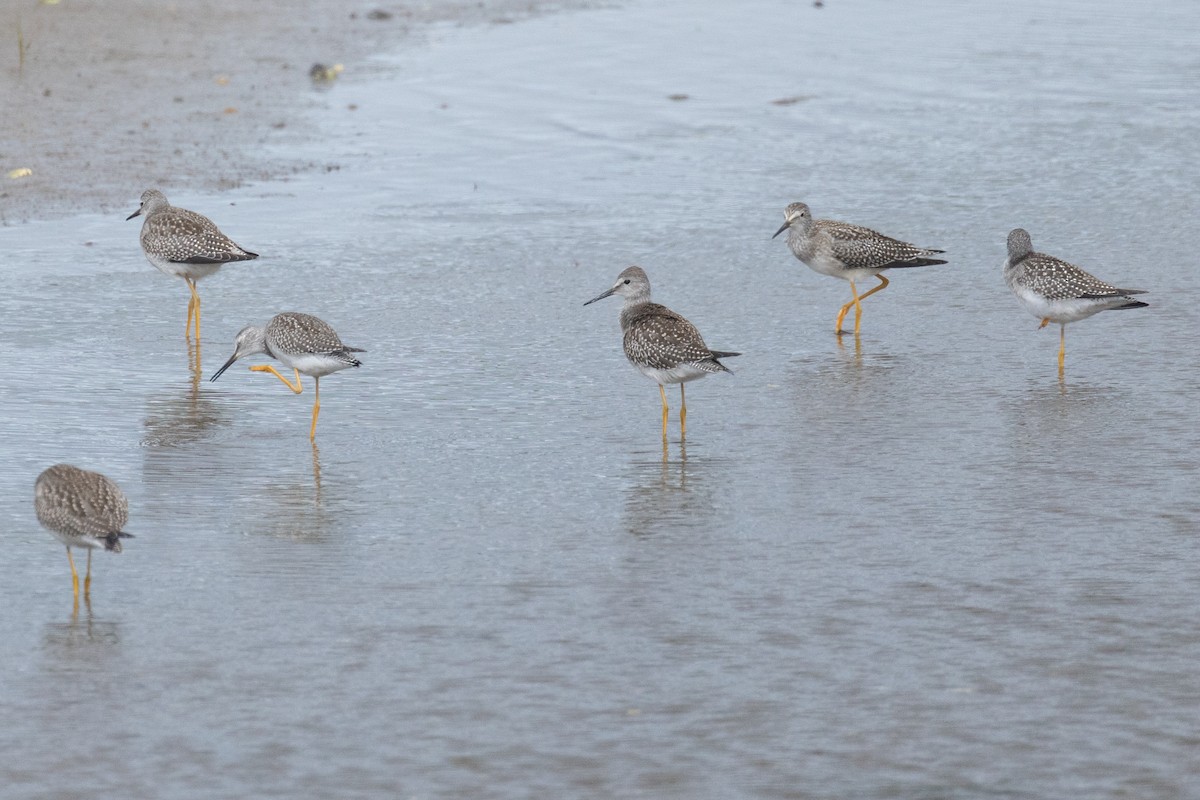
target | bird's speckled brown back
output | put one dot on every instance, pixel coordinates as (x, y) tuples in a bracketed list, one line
[(80, 504), (1056, 279), (657, 337), (862, 248), (183, 236), (296, 334)]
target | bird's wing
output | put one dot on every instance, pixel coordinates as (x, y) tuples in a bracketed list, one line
[(862, 248)]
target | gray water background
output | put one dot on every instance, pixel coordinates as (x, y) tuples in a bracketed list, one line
[(915, 566)]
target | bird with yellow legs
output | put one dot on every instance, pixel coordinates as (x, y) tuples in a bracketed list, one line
[(301, 342), (661, 344), (81, 509), (1056, 291), (184, 244), (850, 252)]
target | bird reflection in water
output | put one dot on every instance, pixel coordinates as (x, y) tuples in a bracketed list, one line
[(666, 492), (316, 456), (841, 346), (194, 364), (183, 417), (293, 506), (75, 642)]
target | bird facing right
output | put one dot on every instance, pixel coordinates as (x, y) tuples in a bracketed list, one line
[(661, 344), (850, 252), (1056, 291), (81, 509)]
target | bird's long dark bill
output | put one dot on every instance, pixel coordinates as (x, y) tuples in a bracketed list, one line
[(600, 296), (134, 214), (782, 228), (228, 364)]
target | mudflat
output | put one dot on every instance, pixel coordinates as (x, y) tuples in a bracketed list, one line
[(102, 99)]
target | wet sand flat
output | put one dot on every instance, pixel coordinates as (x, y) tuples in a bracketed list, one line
[(112, 97)]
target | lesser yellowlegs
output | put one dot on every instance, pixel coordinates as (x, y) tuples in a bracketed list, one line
[(184, 244), (664, 346), (81, 509), (850, 252), (1055, 291), (300, 341)]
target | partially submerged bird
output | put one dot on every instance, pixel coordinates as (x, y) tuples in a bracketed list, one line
[(1055, 291), (81, 509), (664, 346), (300, 341), (184, 244), (850, 252)]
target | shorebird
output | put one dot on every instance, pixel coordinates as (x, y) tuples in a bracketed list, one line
[(300, 341), (184, 244), (81, 509), (850, 252), (1055, 291), (664, 346)]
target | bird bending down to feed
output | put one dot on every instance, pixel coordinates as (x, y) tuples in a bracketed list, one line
[(300, 341), (184, 244), (663, 346), (81, 509), (850, 252), (1055, 291)]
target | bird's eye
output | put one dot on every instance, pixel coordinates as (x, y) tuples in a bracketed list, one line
[(627, 281)]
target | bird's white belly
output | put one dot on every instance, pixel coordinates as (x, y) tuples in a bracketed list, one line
[(312, 365), (90, 542), (678, 374), (177, 270), (1062, 311), (826, 264)]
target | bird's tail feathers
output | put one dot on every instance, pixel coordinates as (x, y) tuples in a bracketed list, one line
[(917, 262), (113, 541)]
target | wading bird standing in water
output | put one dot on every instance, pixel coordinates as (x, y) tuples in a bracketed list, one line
[(302, 342), (184, 244), (664, 346), (850, 252), (1055, 291), (81, 509)]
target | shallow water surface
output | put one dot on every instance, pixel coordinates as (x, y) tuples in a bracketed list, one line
[(912, 565)]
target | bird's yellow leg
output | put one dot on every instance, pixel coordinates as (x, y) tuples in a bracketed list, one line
[(196, 322), (837, 326), (1045, 322), (87, 581), (1062, 348), (187, 328), (268, 368), (312, 432), (883, 284), (662, 392), (74, 575), (193, 309), (682, 412), (857, 307), (842, 313)]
